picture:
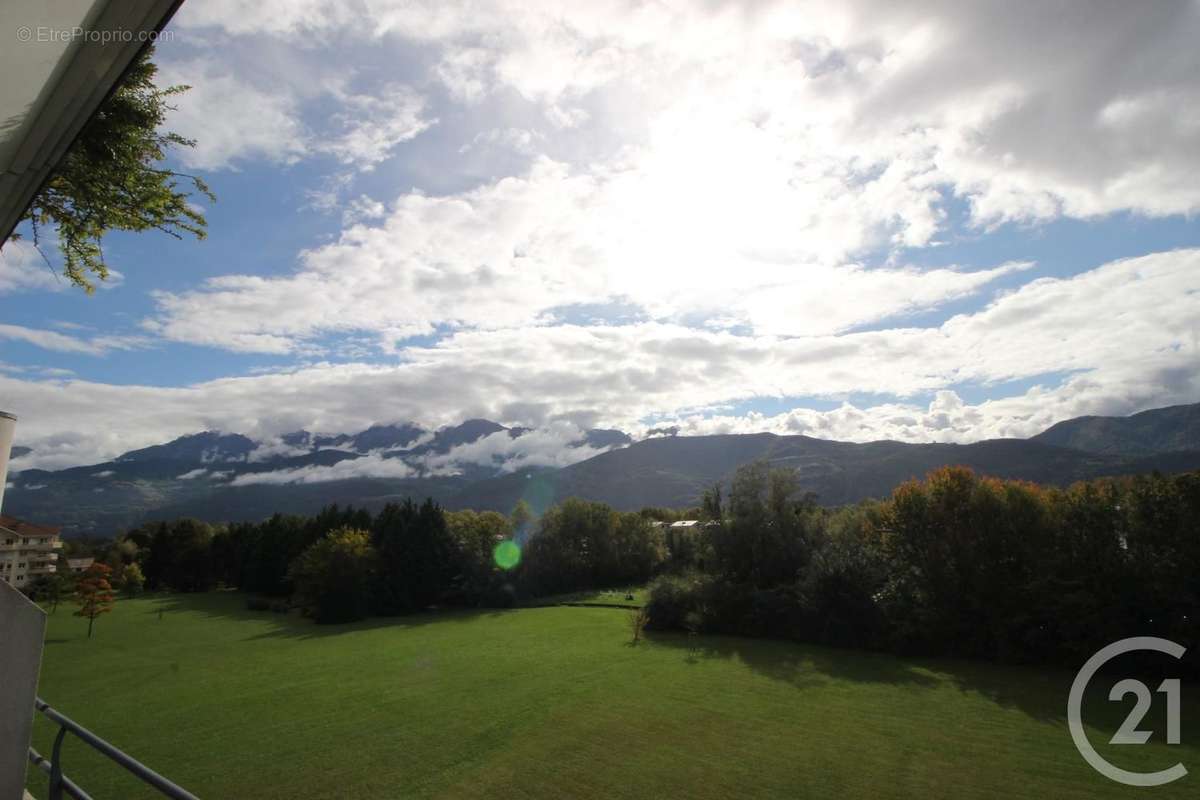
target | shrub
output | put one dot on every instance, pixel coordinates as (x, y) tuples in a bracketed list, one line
[(671, 598)]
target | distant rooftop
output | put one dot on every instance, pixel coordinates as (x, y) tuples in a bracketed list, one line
[(22, 528)]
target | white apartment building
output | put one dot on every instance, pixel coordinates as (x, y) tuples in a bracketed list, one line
[(27, 551)]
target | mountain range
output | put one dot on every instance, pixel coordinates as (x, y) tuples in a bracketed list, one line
[(481, 464)]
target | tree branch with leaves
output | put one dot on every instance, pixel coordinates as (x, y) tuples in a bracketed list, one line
[(112, 179)]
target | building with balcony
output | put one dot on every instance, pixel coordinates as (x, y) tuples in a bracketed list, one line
[(27, 551)]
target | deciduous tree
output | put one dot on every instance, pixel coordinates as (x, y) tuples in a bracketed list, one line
[(333, 576), (132, 579), (94, 594)]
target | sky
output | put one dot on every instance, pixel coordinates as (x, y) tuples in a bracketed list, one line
[(929, 221)]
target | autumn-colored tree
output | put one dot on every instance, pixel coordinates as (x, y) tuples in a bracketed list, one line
[(94, 594), (132, 579)]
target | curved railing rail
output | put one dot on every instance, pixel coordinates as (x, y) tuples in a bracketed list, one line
[(60, 783)]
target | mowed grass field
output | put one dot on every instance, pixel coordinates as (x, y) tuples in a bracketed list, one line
[(554, 703)]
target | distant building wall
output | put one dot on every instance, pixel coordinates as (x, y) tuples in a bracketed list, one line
[(27, 551)]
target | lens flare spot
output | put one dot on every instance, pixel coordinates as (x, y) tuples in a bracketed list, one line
[(507, 554)]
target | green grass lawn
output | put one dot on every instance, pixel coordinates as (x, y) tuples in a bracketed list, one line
[(552, 703)]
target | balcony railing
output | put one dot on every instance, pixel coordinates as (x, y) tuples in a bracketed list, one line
[(61, 785)]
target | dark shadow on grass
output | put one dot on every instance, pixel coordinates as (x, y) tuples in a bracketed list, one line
[(232, 606), (294, 626), (801, 666), (1039, 692)]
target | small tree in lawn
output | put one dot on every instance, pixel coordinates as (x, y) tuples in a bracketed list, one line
[(637, 624), (94, 594)]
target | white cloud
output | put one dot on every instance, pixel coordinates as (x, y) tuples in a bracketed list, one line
[(25, 266), (739, 164), (947, 418), (234, 121), (327, 196), (567, 117), (464, 71), (1125, 333), (372, 465), (273, 448), (498, 256), (22, 268), (554, 444), (373, 124), (192, 474), (363, 209), (292, 16), (520, 140), (1024, 113), (231, 120), (61, 342)]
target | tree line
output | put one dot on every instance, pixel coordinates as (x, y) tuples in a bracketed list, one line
[(344, 564), (956, 564)]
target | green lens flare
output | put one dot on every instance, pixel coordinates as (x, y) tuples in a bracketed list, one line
[(507, 554)]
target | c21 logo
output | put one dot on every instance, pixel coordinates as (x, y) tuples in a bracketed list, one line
[(1128, 733)]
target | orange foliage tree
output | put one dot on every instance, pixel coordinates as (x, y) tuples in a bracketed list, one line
[(94, 594)]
